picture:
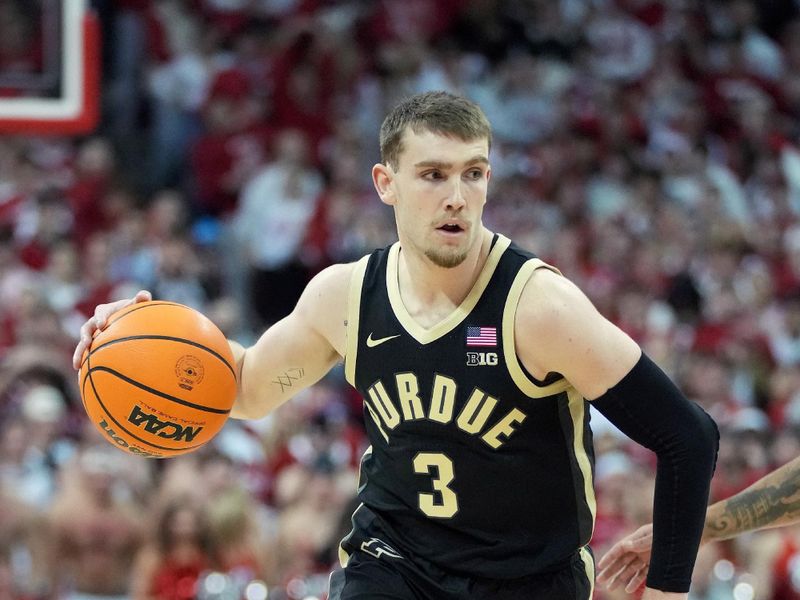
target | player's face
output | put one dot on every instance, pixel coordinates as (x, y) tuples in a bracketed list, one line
[(438, 192)]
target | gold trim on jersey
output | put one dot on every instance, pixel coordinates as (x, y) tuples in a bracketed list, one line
[(527, 385), (375, 418), (588, 563), (344, 556), (577, 408), (417, 331), (353, 312)]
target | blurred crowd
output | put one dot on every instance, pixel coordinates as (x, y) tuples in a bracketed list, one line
[(647, 148)]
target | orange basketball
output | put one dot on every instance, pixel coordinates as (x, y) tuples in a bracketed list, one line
[(159, 380)]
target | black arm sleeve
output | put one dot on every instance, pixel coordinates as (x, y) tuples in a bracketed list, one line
[(652, 411)]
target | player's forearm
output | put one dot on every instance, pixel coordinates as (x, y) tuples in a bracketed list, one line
[(772, 501), (267, 378), (257, 396)]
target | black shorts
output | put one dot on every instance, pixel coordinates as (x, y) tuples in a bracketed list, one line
[(376, 571)]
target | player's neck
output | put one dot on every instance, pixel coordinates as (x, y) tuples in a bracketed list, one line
[(426, 285)]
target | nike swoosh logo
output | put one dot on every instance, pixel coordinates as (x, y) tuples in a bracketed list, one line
[(371, 343)]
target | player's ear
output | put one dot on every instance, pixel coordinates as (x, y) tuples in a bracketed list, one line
[(382, 176)]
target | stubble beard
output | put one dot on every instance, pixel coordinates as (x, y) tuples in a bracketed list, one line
[(447, 256), (446, 260)]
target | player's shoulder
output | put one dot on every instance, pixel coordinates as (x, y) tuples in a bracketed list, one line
[(329, 290), (552, 319), (324, 304), (336, 278), (549, 299)]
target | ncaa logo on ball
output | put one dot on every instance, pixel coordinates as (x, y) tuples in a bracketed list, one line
[(189, 371)]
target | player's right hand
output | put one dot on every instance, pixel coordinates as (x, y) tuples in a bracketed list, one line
[(101, 314), (627, 561)]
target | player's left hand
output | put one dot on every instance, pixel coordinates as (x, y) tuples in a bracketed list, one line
[(627, 561)]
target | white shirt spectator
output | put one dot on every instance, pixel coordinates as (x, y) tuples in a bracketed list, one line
[(276, 208), (621, 48)]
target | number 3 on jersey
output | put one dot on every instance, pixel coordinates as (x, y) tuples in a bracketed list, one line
[(440, 468)]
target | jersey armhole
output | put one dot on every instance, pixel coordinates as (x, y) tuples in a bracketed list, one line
[(524, 381), (353, 314)]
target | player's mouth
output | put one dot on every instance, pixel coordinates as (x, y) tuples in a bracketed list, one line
[(452, 228)]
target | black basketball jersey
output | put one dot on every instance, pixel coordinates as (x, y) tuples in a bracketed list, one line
[(474, 465)]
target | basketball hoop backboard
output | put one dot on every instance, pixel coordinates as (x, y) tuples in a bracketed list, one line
[(52, 86)]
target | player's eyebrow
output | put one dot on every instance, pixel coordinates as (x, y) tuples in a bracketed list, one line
[(439, 164)]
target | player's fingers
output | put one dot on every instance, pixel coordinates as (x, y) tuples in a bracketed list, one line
[(614, 574), (102, 312), (630, 571), (607, 570), (611, 556), (76, 356), (85, 339), (637, 580), (99, 317), (608, 575)]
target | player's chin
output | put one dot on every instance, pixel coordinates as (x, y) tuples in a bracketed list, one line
[(447, 257)]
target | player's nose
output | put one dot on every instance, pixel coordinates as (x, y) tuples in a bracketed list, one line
[(455, 199)]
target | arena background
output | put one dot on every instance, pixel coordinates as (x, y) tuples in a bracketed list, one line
[(648, 148)]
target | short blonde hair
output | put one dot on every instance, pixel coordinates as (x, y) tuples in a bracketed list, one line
[(438, 112)]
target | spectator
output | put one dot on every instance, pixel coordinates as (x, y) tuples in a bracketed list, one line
[(96, 527), (180, 551), (178, 88), (24, 551), (179, 277), (272, 222), (94, 170)]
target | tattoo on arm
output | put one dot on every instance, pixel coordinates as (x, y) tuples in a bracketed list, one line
[(777, 504), (289, 377)]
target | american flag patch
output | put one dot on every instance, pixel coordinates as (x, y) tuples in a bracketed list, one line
[(481, 336)]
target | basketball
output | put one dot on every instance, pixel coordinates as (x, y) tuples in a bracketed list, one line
[(159, 380)]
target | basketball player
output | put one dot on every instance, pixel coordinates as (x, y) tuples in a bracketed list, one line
[(772, 501), (474, 359)]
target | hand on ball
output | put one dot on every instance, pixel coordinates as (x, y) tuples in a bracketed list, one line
[(99, 321)]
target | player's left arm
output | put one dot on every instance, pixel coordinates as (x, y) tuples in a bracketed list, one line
[(557, 329)]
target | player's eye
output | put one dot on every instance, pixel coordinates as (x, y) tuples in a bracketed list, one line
[(433, 175), (475, 174)]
